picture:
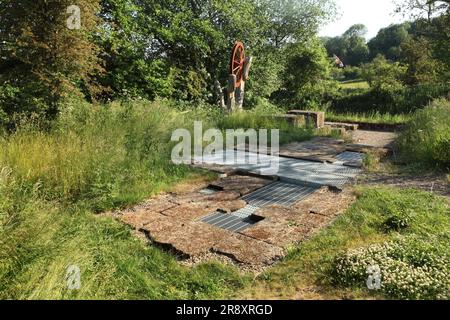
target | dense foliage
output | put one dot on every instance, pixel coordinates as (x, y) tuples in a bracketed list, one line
[(427, 137), (144, 49)]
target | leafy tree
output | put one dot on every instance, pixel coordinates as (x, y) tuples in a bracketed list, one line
[(422, 66), (133, 68), (351, 47), (307, 78), (432, 22), (388, 41), (382, 74), (42, 59)]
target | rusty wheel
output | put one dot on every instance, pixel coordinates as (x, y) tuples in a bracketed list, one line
[(237, 62)]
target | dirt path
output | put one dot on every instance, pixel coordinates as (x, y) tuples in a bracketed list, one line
[(436, 183), (379, 139)]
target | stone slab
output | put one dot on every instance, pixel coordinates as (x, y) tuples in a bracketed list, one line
[(242, 184), (248, 250)]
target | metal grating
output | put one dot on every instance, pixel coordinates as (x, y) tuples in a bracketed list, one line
[(228, 221), (349, 156), (291, 169), (279, 193), (245, 212)]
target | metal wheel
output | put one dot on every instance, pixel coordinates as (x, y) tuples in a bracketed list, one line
[(237, 62)]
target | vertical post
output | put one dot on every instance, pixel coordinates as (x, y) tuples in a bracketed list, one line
[(240, 92), (220, 95), (231, 102)]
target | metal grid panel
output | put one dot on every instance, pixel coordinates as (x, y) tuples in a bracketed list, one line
[(228, 222), (349, 156), (245, 212), (279, 193)]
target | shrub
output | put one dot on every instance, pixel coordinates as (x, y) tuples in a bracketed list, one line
[(382, 74), (351, 73), (410, 267), (427, 137)]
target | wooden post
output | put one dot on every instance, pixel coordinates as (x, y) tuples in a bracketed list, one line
[(231, 102), (240, 92), (220, 95)]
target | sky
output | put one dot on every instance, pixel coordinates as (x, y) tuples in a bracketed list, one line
[(375, 14)]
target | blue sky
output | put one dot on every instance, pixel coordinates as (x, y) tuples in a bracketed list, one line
[(375, 14)]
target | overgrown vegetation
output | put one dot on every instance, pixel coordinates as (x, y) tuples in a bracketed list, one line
[(414, 260), (426, 139), (86, 118)]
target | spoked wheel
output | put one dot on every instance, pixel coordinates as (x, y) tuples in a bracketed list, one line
[(237, 62)]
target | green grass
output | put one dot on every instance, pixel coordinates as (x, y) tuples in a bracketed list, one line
[(354, 84), (94, 159), (52, 182), (311, 264), (39, 239), (375, 118), (426, 139)]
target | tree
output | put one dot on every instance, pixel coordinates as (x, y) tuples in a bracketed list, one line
[(432, 22), (307, 78), (134, 69), (195, 37), (422, 66), (351, 47), (388, 41), (382, 74), (42, 56)]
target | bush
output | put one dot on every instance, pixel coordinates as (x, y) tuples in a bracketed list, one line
[(410, 267), (382, 74), (351, 73), (426, 139)]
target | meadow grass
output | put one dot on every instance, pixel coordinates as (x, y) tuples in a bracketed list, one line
[(354, 84), (98, 158), (94, 159), (426, 139), (374, 117)]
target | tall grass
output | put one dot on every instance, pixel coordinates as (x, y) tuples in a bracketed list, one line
[(94, 158), (365, 223), (373, 117), (426, 140), (106, 154)]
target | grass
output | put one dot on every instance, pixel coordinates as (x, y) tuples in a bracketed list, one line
[(39, 239), (94, 159), (52, 182), (354, 84), (307, 272), (375, 118), (426, 139)]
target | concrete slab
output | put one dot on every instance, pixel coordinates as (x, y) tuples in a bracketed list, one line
[(242, 184), (248, 250), (192, 239), (140, 218)]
